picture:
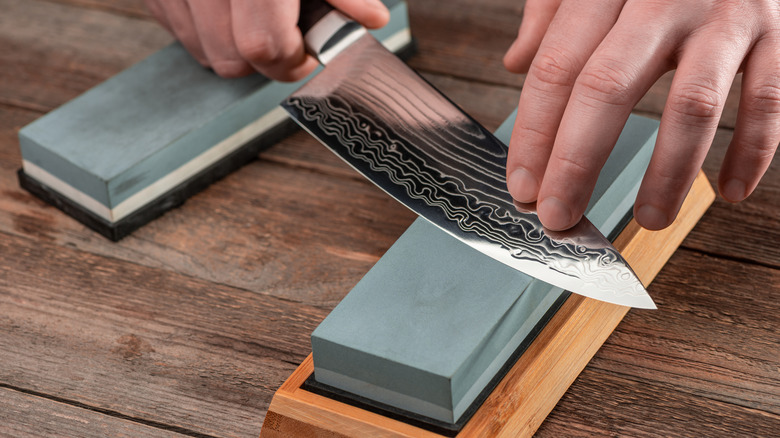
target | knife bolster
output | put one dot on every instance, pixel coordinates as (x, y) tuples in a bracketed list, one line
[(332, 34)]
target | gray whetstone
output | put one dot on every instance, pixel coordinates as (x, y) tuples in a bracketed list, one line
[(434, 320), (137, 127)]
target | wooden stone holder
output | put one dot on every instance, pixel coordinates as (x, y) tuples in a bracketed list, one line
[(539, 378)]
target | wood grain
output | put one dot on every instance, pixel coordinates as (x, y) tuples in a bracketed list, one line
[(54, 52), (649, 409), (144, 342), (26, 415), (745, 230), (735, 367), (131, 8)]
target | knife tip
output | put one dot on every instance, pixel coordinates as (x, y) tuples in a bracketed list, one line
[(643, 302)]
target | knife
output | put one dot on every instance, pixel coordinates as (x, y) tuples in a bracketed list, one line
[(405, 136)]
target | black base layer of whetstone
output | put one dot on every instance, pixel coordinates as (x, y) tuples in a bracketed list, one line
[(175, 197), (441, 427), (436, 426)]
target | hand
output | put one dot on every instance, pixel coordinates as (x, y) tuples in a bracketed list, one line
[(590, 61), (239, 37)]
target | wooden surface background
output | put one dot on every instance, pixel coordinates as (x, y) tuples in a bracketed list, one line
[(187, 327)]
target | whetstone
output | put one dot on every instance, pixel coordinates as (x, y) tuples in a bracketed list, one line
[(532, 386), (433, 322), (145, 140)]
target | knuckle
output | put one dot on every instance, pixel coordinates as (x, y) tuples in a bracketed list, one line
[(607, 81), (674, 172), (554, 67), (673, 176), (764, 98), (575, 166), (756, 150), (697, 101), (258, 48)]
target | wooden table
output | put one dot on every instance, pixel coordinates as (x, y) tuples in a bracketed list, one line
[(187, 327)]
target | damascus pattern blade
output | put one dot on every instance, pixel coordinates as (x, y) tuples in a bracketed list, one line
[(397, 130)]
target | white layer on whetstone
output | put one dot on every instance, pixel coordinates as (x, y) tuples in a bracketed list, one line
[(146, 130), (434, 320)]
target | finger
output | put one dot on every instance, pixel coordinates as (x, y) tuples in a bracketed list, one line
[(563, 53), (537, 16), (757, 132), (372, 14), (179, 19), (267, 36), (215, 29), (690, 118), (627, 63)]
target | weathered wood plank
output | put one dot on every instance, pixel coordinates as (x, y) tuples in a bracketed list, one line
[(465, 38), (24, 415), (706, 362), (748, 230), (12, 119), (714, 336), (54, 52), (144, 342), (601, 404), (132, 8)]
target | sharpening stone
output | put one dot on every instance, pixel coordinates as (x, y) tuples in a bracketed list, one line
[(434, 325), (145, 140)]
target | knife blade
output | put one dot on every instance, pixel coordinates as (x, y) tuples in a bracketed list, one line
[(405, 136)]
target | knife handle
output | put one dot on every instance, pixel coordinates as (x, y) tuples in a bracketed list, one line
[(312, 11), (326, 31)]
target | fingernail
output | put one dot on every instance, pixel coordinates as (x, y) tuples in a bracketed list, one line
[(554, 214), (734, 190), (523, 185), (381, 14), (651, 217)]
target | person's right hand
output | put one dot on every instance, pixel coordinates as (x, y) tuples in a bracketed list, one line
[(239, 37), (588, 62)]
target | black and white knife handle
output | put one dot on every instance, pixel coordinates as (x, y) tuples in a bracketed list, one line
[(326, 31), (311, 12)]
